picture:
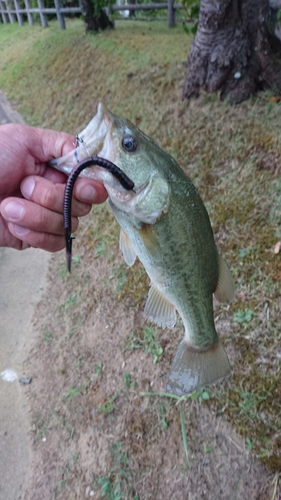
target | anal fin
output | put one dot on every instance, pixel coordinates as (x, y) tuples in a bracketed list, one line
[(159, 310), (225, 287), (192, 369)]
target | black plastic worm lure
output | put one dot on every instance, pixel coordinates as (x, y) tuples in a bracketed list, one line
[(88, 162)]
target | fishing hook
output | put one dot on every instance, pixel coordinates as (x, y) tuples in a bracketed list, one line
[(88, 162)]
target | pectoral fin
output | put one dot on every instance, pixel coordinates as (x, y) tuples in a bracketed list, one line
[(159, 310), (225, 287), (150, 242), (127, 248), (192, 369)]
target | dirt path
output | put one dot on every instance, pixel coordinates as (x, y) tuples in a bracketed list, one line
[(23, 278)]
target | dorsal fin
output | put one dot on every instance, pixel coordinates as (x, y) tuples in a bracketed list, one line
[(225, 287), (127, 248), (159, 310)]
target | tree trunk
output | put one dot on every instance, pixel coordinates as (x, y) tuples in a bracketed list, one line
[(233, 51), (94, 20)]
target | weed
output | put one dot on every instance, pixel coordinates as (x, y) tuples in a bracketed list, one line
[(108, 490), (132, 284), (39, 425), (183, 432), (152, 344), (163, 413), (133, 342), (63, 483), (78, 365), (70, 301), (48, 336), (207, 449), (74, 329), (98, 368), (75, 259), (108, 406), (244, 317), (101, 248), (179, 400), (201, 395), (119, 483), (128, 381), (148, 341), (74, 391), (120, 277), (249, 402), (249, 443), (63, 273)]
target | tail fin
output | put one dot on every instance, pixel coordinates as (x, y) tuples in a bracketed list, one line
[(193, 369)]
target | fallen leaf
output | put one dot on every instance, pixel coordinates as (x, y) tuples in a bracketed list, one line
[(277, 247)]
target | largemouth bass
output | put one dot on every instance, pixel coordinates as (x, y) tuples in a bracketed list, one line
[(165, 224)]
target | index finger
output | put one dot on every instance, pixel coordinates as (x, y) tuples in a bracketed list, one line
[(50, 195), (85, 189)]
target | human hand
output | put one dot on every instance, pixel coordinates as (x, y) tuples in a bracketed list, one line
[(31, 192)]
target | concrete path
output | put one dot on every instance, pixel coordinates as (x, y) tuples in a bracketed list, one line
[(22, 281)]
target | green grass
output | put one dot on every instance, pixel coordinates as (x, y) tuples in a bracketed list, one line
[(48, 336), (73, 392), (108, 406), (147, 340), (128, 382), (118, 484), (62, 58), (233, 155)]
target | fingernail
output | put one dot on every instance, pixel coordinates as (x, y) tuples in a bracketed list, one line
[(14, 211), (27, 187), (87, 194), (21, 230)]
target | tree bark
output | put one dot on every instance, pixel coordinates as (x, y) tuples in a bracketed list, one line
[(233, 51)]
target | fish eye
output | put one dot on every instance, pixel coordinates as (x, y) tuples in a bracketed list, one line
[(129, 143)]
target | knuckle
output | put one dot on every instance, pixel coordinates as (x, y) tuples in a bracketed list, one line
[(40, 220), (79, 208), (45, 241), (48, 197), (47, 221)]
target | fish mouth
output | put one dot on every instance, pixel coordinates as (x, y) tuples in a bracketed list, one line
[(92, 141)]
